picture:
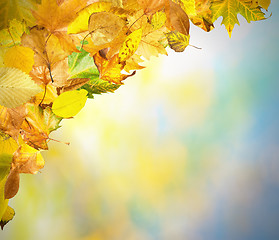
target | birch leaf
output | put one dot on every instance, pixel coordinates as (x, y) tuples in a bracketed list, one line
[(16, 87)]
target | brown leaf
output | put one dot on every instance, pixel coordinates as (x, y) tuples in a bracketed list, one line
[(12, 184), (177, 19), (104, 27), (59, 72), (46, 46), (73, 84), (27, 160), (11, 120), (37, 126)]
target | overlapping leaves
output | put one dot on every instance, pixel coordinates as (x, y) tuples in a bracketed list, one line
[(54, 54)]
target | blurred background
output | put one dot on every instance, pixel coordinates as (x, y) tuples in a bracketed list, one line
[(188, 149)]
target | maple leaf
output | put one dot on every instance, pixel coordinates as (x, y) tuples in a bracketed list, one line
[(54, 17), (229, 9), (110, 70)]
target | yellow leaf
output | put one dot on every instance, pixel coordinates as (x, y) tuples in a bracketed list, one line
[(20, 57), (3, 201), (7, 144), (5, 164), (178, 41), (104, 27), (11, 35), (80, 24), (7, 216), (16, 9), (158, 20), (47, 96), (16, 87), (68, 104), (130, 45)]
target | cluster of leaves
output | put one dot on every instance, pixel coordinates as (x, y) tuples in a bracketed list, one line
[(54, 54)]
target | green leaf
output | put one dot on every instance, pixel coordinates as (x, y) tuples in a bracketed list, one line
[(98, 86), (68, 104), (81, 65), (16, 87)]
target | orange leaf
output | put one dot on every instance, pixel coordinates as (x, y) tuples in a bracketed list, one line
[(110, 70), (55, 16), (151, 6)]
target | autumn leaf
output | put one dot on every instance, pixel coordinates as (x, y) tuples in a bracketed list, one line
[(11, 35), (110, 70), (177, 19), (3, 201), (7, 216), (151, 6), (10, 123), (19, 57), (130, 45), (99, 86), (158, 20), (229, 9), (25, 160), (104, 27), (199, 13), (54, 17), (16, 87), (80, 24), (177, 41), (37, 126), (81, 65), (68, 104), (16, 9), (47, 47)]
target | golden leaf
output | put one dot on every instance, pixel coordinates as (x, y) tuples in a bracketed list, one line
[(104, 27)]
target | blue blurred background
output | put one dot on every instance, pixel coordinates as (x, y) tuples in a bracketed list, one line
[(188, 149)]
